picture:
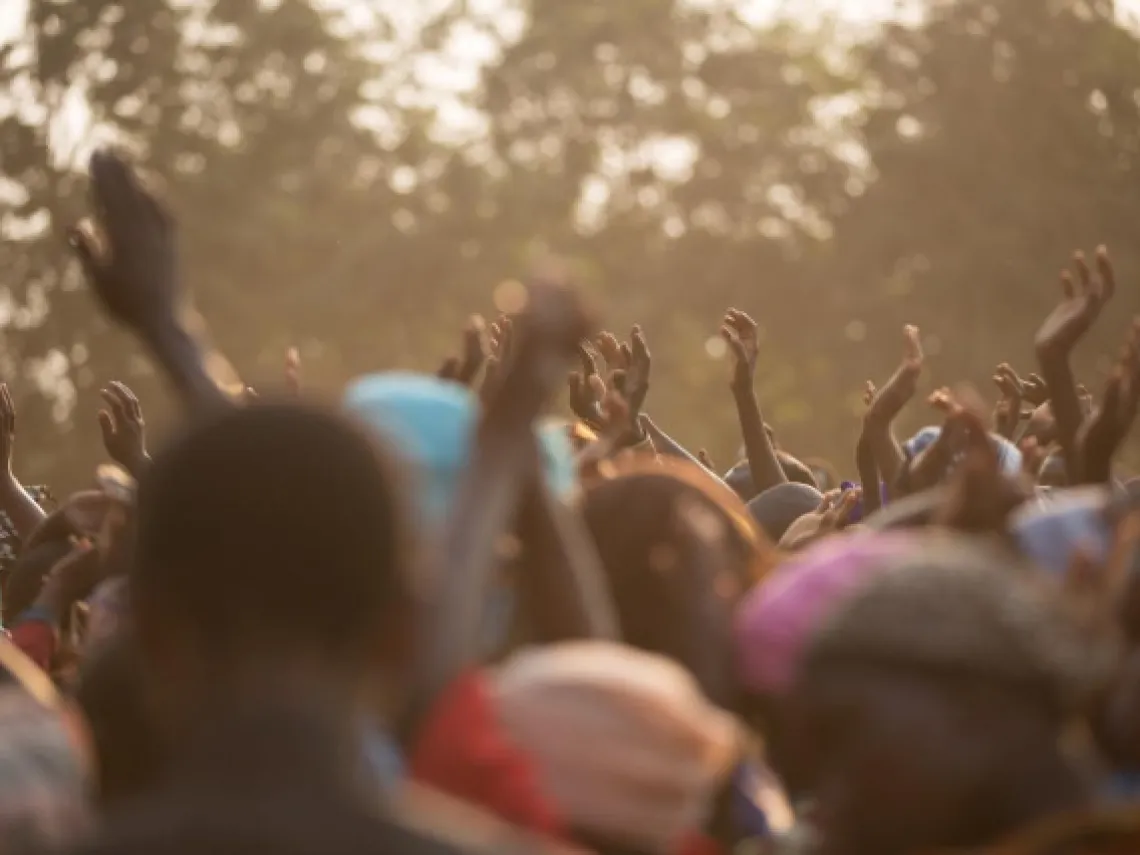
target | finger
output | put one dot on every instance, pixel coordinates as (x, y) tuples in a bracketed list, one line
[(449, 370), (116, 404), (913, 343), (731, 336), (589, 364), (706, 461), (1105, 272), (81, 240), (847, 506), (130, 402), (1068, 290), (1084, 275), (626, 355), (575, 382), (640, 352), (617, 381), (596, 386)]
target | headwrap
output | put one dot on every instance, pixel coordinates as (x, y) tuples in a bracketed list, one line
[(1009, 455), (431, 423), (1050, 532), (624, 741), (776, 620), (778, 507)]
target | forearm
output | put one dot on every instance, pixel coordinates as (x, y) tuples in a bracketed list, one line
[(888, 456), (762, 461), (868, 476), (1066, 407), (185, 364)]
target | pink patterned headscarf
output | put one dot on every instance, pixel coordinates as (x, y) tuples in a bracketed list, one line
[(774, 623)]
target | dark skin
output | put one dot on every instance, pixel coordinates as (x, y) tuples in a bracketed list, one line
[(22, 510), (980, 498), (886, 404), (465, 369), (123, 428), (866, 464), (929, 467), (1102, 433), (628, 365), (587, 389), (833, 515), (740, 332), (1083, 297), (1007, 414), (129, 256)]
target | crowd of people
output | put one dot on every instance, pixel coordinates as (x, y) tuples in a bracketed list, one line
[(435, 617)]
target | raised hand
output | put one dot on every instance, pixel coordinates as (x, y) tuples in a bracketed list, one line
[(889, 400), (529, 348), (501, 347), (613, 352), (979, 497), (1007, 414), (129, 256), (587, 390), (465, 369), (1102, 433), (124, 431), (637, 370), (1081, 304), (740, 332), (129, 252)]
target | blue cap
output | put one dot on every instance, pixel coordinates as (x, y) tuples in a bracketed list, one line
[(1009, 455), (431, 422)]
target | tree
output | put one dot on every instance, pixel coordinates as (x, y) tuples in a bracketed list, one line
[(1001, 136)]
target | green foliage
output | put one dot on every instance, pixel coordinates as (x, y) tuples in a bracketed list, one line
[(333, 197)]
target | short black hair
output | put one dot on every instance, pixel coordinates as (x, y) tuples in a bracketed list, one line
[(278, 524)]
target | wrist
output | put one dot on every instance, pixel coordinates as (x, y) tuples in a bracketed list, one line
[(1051, 355)]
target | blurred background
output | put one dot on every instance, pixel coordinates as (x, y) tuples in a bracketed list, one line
[(356, 176)]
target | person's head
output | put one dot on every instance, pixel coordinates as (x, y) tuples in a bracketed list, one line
[(128, 750), (929, 709), (739, 477), (659, 752), (778, 507), (25, 576), (431, 424), (270, 548), (775, 623), (672, 596)]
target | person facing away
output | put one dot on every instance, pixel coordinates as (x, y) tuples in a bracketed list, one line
[(275, 620)]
